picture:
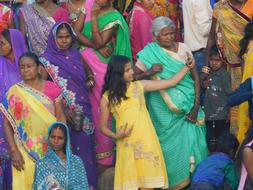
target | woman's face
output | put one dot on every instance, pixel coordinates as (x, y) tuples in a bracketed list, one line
[(166, 37), (148, 4), (57, 139), (128, 72), (5, 47), (63, 39), (29, 69)]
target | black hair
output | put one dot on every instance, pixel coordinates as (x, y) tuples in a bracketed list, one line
[(30, 55), (226, 143), (64, 130), (214, 51), (114, 79), (67, 26), (247, 139), (6, 35), (244, 42)]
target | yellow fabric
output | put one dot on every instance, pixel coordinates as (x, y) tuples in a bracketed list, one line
[(30, 119), (139, 159), (160, 8), (23, 180), (243, 113)]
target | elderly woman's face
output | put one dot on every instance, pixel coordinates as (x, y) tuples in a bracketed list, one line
[(166, 37)]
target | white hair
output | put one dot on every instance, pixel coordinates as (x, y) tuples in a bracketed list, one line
[(160, 23)]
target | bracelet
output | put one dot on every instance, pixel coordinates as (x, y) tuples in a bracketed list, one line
[(206, 69), (95, 31)]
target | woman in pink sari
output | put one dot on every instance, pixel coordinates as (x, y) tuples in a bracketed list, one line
[(102, 33), (140, 21)]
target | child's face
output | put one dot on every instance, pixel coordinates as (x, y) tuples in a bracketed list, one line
[(129, 73), (215, 62)]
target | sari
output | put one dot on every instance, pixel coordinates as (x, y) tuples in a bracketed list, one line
[(243, 113), (38, 23), (53, 173), (183, 143), (66, 70), (98, 64), (229, 31), (7, 80), (160, 8), (140, 23), (29, 112)]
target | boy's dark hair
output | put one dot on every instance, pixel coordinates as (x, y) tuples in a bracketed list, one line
[(227, 143), (214, 51)]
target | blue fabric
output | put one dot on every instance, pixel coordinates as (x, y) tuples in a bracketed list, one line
[(51, 172), (212, 169), (212, 2), (241, 94)]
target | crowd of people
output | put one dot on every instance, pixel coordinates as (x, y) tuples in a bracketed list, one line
[(126, 95)]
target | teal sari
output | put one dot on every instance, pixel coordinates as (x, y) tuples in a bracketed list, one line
[(183, 143)]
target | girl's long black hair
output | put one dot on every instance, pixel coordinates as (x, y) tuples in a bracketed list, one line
[(115, 84), (248, 138), (248, 35)]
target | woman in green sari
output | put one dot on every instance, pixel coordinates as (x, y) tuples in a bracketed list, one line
[(175, 112), (102, 32)]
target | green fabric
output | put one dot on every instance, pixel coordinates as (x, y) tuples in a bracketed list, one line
[(231, 176), (122, 42), (179, 138)]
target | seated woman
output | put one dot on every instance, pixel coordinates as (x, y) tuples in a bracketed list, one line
[(60, 169), (175, 112), (67, 69), (29, 107), (12, 47)]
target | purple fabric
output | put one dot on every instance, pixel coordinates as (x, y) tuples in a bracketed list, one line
[(13, 76), (9, 75), (66, 69)]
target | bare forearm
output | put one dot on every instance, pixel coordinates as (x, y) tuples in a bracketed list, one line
[(97, 37), (9, 135), (195, 77), (84, 41), (107, 132)]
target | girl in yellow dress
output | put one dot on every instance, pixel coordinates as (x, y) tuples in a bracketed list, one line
[(139, 159)]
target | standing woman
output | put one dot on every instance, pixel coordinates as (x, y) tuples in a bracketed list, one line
[(12, 47), (36, 21), (67, 69), (30, 106), (140, 22), (105, 34), (175, 111)]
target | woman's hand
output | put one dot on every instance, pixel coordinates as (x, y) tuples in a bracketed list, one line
[(123, 132), (156, 68), (105, 51), (192, 116), (17, 159), (95, 10)]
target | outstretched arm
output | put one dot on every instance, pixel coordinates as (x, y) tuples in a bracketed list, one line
[(152, 85)]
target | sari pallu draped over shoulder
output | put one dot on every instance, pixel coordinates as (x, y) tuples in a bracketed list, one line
[(30, 113), (108, 21), (183, 143)]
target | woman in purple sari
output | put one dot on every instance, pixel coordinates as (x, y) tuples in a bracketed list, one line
[(12, 46), (67, 69)]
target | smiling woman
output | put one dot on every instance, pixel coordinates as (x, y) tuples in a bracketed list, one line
[(29, 107)]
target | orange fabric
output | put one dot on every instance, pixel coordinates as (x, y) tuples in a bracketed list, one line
[(247, 9), (5, 17)]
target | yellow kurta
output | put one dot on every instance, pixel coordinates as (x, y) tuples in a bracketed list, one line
[(139, 159)]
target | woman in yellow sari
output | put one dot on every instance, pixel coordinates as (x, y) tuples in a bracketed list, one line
[(246, 54), (29, 107)]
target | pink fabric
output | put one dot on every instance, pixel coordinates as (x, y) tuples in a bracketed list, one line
[(61, 14), (140, 25), (244, 172), (103, 143), (51, 90)]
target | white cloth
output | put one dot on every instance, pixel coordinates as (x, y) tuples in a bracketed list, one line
[(197, 15)]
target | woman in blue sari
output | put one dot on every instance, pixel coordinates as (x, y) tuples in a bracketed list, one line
[(60, 169)]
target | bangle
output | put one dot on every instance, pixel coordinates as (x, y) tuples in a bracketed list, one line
[(95, 31), (90, 76), (206, 69)]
